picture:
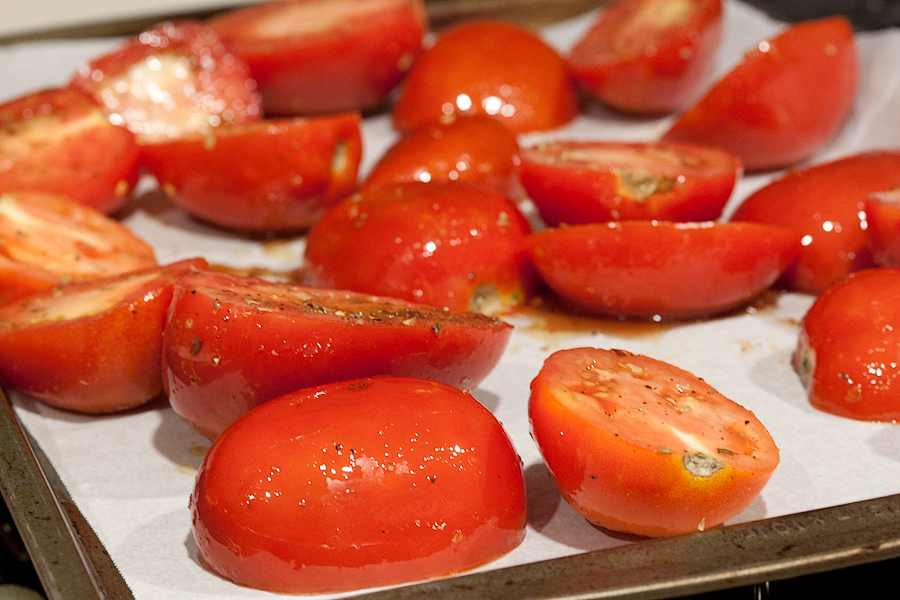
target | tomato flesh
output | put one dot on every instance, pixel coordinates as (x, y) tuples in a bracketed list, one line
[(883, 227)]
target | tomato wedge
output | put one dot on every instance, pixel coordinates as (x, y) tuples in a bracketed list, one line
[(640, 446), (233, 343), (883, 227), (576, 182)]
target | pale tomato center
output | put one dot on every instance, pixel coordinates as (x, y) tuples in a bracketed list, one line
[(307, 18)]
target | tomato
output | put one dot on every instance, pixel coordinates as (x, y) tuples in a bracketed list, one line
[(94, 346), (577, 182), (640, 446), (265, 176), (848, 353), (492, 68), (473, 149), (59, 141), (325, 56), (48, 240), (783, 102), (649, 56), (825, 207), (883, 227), (381, 481), (170, 80), (661, 269), (441, 244), (233, 343)]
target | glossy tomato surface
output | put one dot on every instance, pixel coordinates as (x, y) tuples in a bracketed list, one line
[(91, 347), (315, 56), (233, 343), (883, 227), (649, 56), (640, 446), (661, 269), (493, 68), (783, 102), (576, 182), (824, 205), (380, 481), (276, 175)]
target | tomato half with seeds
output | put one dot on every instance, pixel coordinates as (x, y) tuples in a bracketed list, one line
[(883, 227), (233, 343), (640, 446), (576, 182)]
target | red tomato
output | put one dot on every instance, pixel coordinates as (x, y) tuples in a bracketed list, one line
[(472, 149), (380, 481), (233, 343), (783, 102), (325, 56), (59, 141), (265, 176), (576, 182), (48, 240), (441, 244), (848, 354), (640, 446), (492, 68), (94, 346), (649, 56), (883, 227), (656, 269), (825, 207), (171, 80)]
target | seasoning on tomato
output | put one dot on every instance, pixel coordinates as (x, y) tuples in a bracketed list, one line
[(378, 481), (640, 446), (883, 227)]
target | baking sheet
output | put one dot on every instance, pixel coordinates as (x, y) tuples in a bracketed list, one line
[(132, 474)]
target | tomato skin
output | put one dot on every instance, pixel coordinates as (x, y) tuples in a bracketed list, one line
[(658, 269), (577, 182), (94, 346), (389, 480), (825, 207), (233, 343), (626, 468), (783, 102), (883, 227), (649, 56), (277, 175), (505, 71), (307, 63)]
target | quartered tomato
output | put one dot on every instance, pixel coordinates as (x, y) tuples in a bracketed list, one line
[(325, 56), (661, 269), (170, 80), (233, 343), (824, 205), (94, 346), (489, 68), (442, 244), (640, 446), (649, 56), (883, 227), (275, 175), (577, 182), (848, 354), (380, 481), (784, 101)]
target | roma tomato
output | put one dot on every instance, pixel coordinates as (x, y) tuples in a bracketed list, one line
[(576, 182), (325, 56), (640, 446), (233, 343), (784, 101), (276, 175), (94, 346), (661, 270), (649, 56), (883, 227), (441, 244), (824, 205), (848, 353), (59, 141), (389, 480), (170, 80), (489, 68)]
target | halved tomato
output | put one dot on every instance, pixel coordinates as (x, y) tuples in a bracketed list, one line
[(883, 227)]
